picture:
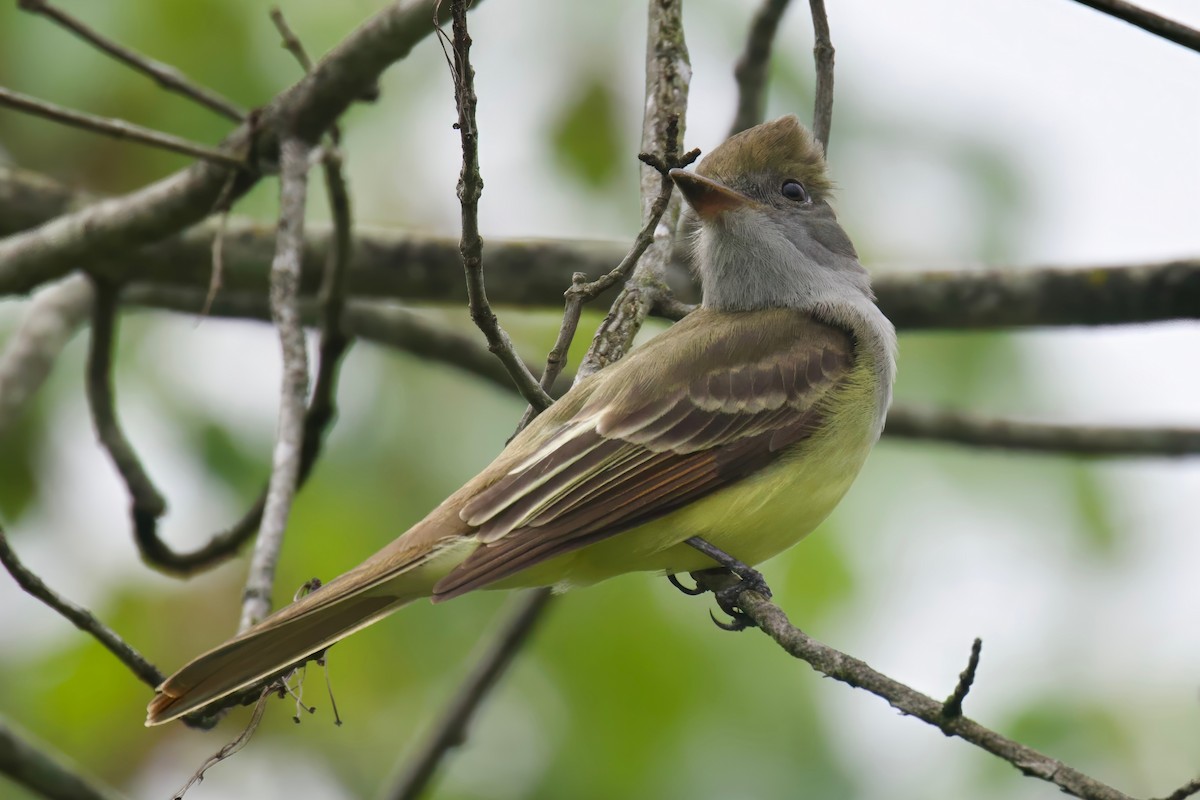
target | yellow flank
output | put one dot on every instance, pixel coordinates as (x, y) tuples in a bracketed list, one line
[(751, 520)]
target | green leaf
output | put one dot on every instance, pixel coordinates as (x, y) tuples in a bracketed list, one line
[(586, 138)]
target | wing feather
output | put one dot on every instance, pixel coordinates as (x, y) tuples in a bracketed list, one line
[(631, 455)]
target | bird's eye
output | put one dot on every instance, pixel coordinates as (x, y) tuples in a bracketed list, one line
[(794, 190)]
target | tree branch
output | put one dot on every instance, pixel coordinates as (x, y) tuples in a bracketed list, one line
[(34, 767), (400, 265), (1168, 29), (53, 317), (164, 75), (289, 442), (823, 58), (113, 226), (751, 70), (78, 616), (1039, 437), (117, 129), (450, 730), (668, 71), (470, 187), (853, 672)]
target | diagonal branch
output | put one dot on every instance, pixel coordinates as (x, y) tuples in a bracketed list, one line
[(164, 75), (853, 672), (117, 129), (78, 616), (451, 728), (1168, 29), (34, 767)]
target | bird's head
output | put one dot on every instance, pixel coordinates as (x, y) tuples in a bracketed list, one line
[(766, 235)]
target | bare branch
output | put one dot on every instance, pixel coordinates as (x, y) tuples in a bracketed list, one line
[(751, 70), (163, 208), (668, 71), (1189, 789), (849, 670), (78, 616), (117, 129), (470, 187), (166, 76), (1060, 439), (232, 747), (146, 503), (451, 727), (823, 58), (289, 442), (31, 351), (35, 768), (1168, 29), (532, 273)]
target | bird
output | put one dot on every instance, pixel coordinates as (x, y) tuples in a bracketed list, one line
[(742, 424)]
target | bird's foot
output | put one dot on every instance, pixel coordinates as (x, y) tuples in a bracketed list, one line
[(721, 582)]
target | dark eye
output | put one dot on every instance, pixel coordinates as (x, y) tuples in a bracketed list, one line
[(794, 190)]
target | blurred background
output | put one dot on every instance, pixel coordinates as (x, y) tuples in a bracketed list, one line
[(1015, 133)]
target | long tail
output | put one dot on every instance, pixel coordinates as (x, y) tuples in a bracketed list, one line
[(281, 640)]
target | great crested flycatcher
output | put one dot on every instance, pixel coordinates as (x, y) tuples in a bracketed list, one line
[(743, 424)]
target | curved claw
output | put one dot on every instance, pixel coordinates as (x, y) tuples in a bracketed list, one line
[(737, 623), (690, 591)]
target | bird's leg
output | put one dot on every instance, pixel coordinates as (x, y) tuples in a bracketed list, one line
[(725, 591)]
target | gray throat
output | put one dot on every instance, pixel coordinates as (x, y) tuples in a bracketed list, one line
[(751, 263)]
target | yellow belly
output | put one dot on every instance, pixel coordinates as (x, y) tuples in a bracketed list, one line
[(752, 520)]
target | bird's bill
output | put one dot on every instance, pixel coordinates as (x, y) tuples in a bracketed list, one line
[(707, 197)]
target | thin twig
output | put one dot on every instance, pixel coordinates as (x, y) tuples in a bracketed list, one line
[(751, 70), (291, 42), (33, 766), (952, 708), (117, 129), (849, 670), (823, 58), (232, 747), (166, 76), (582, 291), (289, 442), (450, 730), (33, 348), (470, 187), (78, 616), (1061, 439), (1168, 29)]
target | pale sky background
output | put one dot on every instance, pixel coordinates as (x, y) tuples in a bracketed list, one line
[(1103, 124)]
